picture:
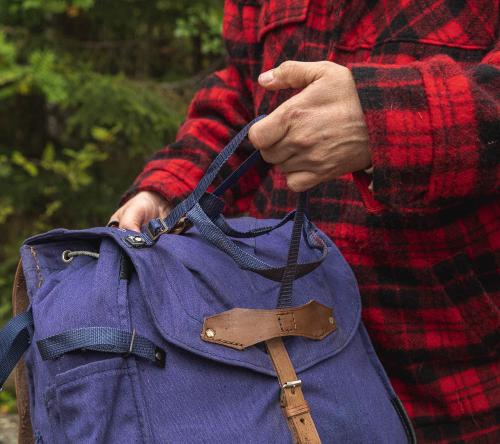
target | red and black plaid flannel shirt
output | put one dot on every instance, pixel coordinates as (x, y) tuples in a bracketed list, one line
[(425, 244)]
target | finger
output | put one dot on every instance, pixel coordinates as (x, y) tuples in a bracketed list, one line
[(279, 153), (292, 74), (269, 130), (296, 163), (131, 220), (114, 220), (302, 180), (165, 211)]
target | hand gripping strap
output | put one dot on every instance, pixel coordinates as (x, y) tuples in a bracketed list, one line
[(202, 211), (158, 226)]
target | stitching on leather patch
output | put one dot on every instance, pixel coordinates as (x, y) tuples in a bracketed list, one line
[(223, 341), (287, 322)]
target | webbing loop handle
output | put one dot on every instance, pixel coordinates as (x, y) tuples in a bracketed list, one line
[(215, 229), (248, 163), (213, 234), (100, 339), (286, 289), (157, 227)]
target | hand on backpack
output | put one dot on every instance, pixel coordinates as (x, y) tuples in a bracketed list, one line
[(140, 209), (318, 134)]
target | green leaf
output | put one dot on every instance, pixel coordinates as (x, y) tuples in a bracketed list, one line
[(102, 134), (21, 161)]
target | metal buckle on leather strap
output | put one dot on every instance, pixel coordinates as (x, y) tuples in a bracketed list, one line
[(288, 385)]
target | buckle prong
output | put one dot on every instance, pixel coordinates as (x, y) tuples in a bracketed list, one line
[(288, 385), (131, 346)]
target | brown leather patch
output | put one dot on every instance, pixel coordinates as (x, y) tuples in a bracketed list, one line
[(240, 328), (287, 322)]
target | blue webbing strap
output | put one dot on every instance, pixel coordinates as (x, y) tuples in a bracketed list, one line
[(248, 163), (198, 208), (230, 231), (286, 289), (213, 207), (100, 339), (157, 226), (245, 260), (15, 338)]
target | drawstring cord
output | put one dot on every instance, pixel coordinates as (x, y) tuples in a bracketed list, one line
[(68, 255)]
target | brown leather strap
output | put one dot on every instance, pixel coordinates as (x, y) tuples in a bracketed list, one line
[(20, 303), (240, 328), (294, 406)]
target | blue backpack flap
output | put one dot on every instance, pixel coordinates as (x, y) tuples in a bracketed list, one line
[(212, 334)]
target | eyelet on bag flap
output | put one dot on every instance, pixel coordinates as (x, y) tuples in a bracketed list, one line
[(281, 12)]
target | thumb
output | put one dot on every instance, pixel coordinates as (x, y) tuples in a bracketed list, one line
[(291, 74), (132, 219)]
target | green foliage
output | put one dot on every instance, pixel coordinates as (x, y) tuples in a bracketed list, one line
[(203, 25), (85, 99), (7, 402)]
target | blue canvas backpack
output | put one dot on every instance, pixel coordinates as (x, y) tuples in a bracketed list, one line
[(199, 330)]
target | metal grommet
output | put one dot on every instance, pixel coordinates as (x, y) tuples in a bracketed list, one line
[(66, 256), (209, 333)]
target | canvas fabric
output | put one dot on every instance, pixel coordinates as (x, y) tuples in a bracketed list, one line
[(205, 392), (425, 244)]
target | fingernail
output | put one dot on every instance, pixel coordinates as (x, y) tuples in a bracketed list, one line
[(266, 77)]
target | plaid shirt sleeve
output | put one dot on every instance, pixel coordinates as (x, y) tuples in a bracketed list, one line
[(434, 132), (221, 107)]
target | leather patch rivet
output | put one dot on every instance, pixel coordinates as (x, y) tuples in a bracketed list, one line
[(209, 333), (331, 320)]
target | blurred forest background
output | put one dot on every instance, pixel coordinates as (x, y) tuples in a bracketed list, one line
[(89, 90)]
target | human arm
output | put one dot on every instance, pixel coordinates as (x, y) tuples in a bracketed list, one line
[(221, 107)]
